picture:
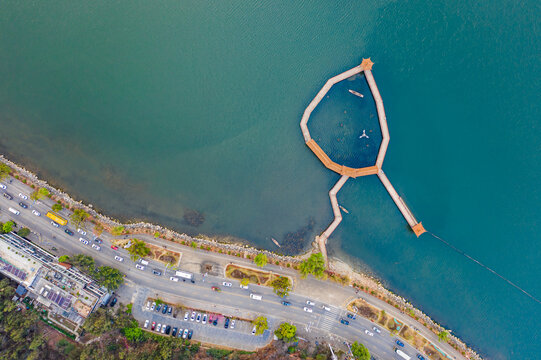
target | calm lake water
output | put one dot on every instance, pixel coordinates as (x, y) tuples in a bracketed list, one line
[(148, 109)]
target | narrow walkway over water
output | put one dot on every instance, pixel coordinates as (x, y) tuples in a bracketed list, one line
[(347, 172)]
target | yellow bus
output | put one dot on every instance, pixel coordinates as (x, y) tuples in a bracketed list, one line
[(57, 219)]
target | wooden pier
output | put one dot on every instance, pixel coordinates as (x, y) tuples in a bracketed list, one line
[(347, 172)]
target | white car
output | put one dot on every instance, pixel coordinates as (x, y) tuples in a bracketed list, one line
[(23, 196), (310, 302), (81, 231), (173, 278), (148, 305), (192, 318), (307, 309), (3, 186), (204, 321), (186, 316), (227, 284), (244, 287), (97, 247), (146, 324), (35, 212), (159, 327), (232, 326), (153, 307), (376, 329), (83, 241), (198, 318), (139, 267), (54, 224), (253, 330), (185, 334), (369, 333), (163, 328), (119, 258)]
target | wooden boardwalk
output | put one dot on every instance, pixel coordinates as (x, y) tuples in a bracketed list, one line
[(347, 172)]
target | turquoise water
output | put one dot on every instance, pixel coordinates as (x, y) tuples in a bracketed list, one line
[(148, 109)]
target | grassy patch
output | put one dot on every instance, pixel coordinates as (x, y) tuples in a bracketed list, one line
[(259, 277), (156, 252)]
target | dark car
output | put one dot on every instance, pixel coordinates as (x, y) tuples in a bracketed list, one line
[(286, 303), (215, 322), (190, 333), (169, 310), (168, 329), (399, 343), (164, 309), (7, 196), (344, 321), (156, 272), (158, 307), (23, 205), (69, 232), (351, 316), (174, 333), (113, 302), (98, 240), (420, 357), (226, 325)]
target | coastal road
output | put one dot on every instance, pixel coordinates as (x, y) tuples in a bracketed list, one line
[(232, 301)]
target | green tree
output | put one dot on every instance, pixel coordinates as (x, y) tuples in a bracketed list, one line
[(286, 332), (134, 333), (314, 265), (4, 171), (24, 232), (117, 230), (84, 263), (64, 258), (98, 229), (261, 260), (8, 227), (245, 281), (281, 286), (138, 249), (57, 207), (99, 322), (39, 194), (261, 325), (109, 277), (359, 351), (156, 234), (78, 217), (443, 335)]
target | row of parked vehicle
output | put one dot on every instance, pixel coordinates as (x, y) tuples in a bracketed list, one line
[(166, 329)]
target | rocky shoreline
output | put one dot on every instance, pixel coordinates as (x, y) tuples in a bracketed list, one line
[(337, 268)]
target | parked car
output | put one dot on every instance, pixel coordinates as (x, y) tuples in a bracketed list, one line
[(164, 310), (232, 325), (344, 321), (204, 320), (158, 307), (69, 232), (169, 310), (198, 318), (310, 302), (113, 302), (163, 328), (148, 305), (119, 258), (97, 247), (186, 316), (84, 241), (168, 329), (226, 324), (137, 266), (215, 322), (23, 196), (174, 332), (286, 303), (146, 324), (192, 318), (54, 224), (114, 247), (185, 334), (159, 327), (35, 212), (190, 333), (8, 196), (81, 231), (307, 309), (153, 307), (399, 343), (153, 325), (2, 186), (227, 284), (98, 240), (253, 330), (180, 331), (23, 205)]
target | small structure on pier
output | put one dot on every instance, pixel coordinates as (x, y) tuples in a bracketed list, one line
[(347, 172)]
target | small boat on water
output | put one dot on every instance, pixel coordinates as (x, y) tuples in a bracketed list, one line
[(344, 209), (275, 242), (356, 93)]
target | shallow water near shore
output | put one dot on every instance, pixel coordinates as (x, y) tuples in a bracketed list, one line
[(146, 111)]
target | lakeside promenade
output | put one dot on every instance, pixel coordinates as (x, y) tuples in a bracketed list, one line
[(347, 172)]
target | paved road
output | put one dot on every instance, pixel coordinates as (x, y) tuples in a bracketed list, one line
[(232, 301)]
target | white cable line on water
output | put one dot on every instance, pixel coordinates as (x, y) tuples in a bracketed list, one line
[(486, 267)]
